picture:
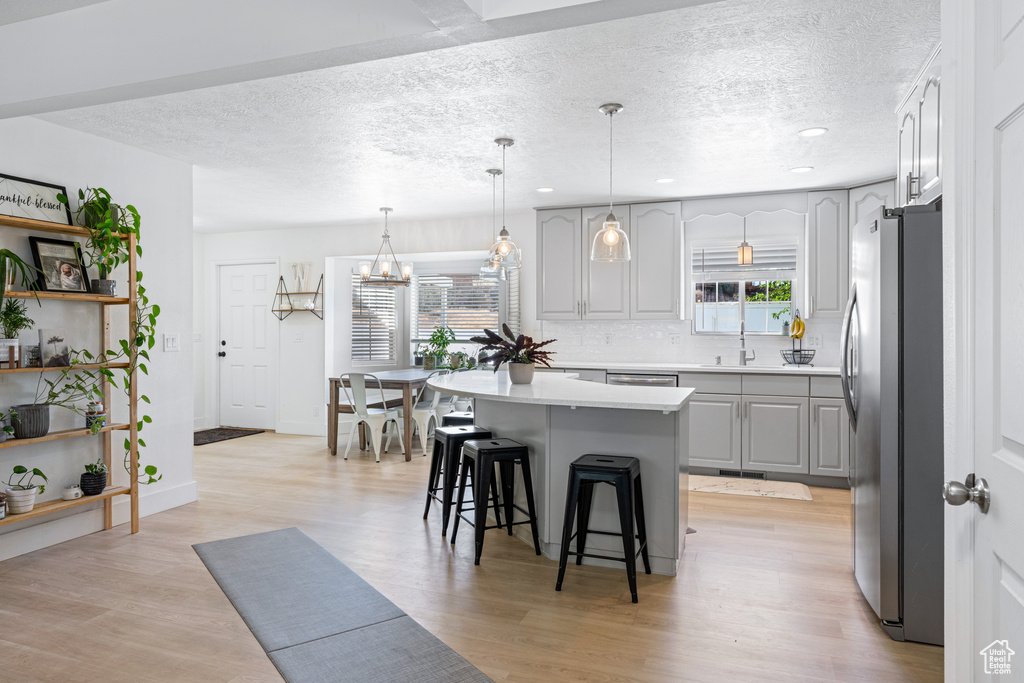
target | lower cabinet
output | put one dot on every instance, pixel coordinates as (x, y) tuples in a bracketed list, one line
[(715, 431), (775, 435), (830, 442)]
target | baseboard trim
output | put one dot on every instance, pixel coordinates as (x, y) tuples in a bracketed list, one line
[(74, 525), (302, 428)]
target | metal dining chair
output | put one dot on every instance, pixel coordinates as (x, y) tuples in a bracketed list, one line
[(426, 409), (376, 419)]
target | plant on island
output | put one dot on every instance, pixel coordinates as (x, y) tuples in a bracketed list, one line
[(514, 349)]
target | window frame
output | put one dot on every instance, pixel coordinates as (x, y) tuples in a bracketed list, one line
[(395, 332)]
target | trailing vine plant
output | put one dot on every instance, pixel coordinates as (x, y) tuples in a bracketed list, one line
[(110, 226)]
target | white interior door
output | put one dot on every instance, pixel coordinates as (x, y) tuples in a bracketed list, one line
[(988, 607), (247, 346)]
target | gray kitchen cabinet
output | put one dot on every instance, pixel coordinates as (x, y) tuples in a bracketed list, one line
[(655, 271), (715, 431), (830, 439), (828, 244), (599, 376), (775, 434), (605, 285), (919, 130), (559, 239)]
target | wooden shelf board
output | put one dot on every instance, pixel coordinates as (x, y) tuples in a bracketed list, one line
[(56, 505), (99, 298), (62, 434), (42, 226), (83, 366)]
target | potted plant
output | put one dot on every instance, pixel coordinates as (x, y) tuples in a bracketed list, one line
[(6, 431), (437, 347), (94, 479), (417, 355), (21, 494), (520, 352), (13, 319), (109, 225), (11, 266), (95, 417)]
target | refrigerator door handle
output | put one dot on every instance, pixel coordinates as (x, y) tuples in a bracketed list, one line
[(844, 355)]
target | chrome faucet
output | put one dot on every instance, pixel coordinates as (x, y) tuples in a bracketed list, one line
[(743, 346)]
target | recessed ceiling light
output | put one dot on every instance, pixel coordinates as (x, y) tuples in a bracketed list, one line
[(802, 169), (665, 180), (545, 189), (812, 132)]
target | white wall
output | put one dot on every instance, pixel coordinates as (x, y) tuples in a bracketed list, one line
[(302, 370), (161, 189)]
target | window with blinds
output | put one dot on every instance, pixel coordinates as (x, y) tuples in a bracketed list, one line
[(374, 323), (722, 259), (462, 301)]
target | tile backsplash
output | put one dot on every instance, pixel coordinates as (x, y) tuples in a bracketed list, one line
[(673, 342)]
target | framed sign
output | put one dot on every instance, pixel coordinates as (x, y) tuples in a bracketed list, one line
[(23, 198), (60, 265)]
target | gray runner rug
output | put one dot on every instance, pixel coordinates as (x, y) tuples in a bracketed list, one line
[(319, 621)]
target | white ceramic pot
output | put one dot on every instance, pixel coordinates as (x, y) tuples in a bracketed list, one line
[(21, 500), (9, 349), (520, 373)]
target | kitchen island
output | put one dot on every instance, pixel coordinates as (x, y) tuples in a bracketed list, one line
[(561, 418)]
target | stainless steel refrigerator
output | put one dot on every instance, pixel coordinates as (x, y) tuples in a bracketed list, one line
[(891, 366)]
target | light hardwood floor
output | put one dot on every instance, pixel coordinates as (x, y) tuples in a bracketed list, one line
[(764, 591)]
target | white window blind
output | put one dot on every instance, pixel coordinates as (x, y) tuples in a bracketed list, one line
[(462, 301), (513, 309), (373, 323), (722, 258)]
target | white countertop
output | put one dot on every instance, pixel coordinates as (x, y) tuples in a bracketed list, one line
[(629, 366), (557, 389)]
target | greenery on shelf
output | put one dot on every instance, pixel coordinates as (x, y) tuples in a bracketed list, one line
[(14, 318), (513, 349), (5, 419), (9, 261), (23, 485), (109, 225), (439, 341), (98, 467)]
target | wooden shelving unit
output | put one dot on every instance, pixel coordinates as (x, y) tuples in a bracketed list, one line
[(283, 296), (51, 506), (132, 490)]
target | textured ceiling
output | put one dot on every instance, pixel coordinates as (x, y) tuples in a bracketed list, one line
[(713, 95)]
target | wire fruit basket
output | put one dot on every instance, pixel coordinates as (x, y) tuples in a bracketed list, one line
[(798, 356)]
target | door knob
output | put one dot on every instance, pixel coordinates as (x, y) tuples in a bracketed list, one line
[(972, 490), (222, 354)]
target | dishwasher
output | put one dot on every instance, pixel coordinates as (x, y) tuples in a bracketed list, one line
[(643, 380)]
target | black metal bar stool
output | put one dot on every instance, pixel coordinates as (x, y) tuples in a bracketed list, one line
[(479, 457), (455, 419), (623, 473), (444, 466)]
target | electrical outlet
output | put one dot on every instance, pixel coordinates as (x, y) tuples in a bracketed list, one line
[(607, 340), (813, 341), (675, 339), (316, 411)]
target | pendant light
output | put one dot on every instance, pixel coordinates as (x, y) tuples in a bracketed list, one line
[(492, 269), (745, 253), (505, 250), (610, 243), (385, 262)]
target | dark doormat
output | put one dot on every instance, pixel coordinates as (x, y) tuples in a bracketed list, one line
[(205, 436)]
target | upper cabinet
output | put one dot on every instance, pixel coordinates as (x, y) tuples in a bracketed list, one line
[(559, 237), (919, 129), (572, 287), (655, 273), (828, 243)]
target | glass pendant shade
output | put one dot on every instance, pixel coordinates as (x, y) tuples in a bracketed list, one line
[(506, 252), (745, 254), (610, 243)]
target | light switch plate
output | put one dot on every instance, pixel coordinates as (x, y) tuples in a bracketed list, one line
[(172, 343)]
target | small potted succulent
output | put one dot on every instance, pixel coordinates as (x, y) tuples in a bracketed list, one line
[(94, 479), (521, 353), (21, 494)]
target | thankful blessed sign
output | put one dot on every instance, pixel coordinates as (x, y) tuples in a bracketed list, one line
[(24, 198)]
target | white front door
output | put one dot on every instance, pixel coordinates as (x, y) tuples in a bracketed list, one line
[(247, 346), (986, 622)]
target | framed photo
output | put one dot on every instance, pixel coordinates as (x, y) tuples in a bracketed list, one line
[(60, 264), (23, 198), (54, 351)]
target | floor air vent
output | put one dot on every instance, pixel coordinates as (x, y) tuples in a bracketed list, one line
[(730, 473), (753, 475)]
